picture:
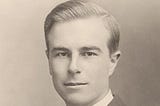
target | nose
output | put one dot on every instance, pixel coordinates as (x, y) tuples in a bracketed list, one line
[(73, 66)]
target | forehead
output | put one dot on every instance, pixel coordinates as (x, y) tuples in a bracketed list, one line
[(84, 31)]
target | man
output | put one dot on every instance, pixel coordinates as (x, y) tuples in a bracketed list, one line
[(82, 47)]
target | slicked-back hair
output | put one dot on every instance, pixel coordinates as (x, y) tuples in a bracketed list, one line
[(76, 9)]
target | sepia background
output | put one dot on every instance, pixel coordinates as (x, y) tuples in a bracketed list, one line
[(24, 74)]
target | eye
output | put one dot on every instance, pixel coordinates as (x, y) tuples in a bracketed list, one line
[(62, 54), (89, 54)]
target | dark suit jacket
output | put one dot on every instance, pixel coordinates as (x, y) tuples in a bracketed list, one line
[(116, 102)]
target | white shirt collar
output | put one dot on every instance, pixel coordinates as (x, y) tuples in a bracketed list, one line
[(106, 100)]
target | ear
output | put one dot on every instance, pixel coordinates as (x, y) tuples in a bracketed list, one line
[(47, 53), (114, 60)]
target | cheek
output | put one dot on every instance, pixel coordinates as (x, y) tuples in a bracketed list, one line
[(97, 72), (96, 68), (59, 68)]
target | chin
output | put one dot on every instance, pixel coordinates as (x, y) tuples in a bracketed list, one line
[(78, 100)]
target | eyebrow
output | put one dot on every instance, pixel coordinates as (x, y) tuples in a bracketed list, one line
[(60, 49), (88, 48)]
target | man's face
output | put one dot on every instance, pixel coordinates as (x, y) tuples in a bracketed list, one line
[(79, 60)]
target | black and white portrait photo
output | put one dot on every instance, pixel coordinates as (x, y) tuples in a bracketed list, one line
[(79, 53)]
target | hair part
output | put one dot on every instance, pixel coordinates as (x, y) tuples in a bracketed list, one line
[(75, 9)]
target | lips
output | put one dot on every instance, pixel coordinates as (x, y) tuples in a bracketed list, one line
[(75, 83)]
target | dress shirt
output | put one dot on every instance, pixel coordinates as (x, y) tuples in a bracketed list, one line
[(106, 100)]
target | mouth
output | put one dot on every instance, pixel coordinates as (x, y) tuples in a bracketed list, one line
[(75, 83)]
